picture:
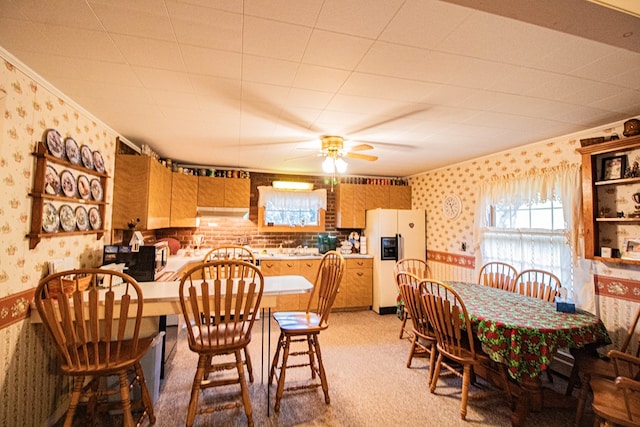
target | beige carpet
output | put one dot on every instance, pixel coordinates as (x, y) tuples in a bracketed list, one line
[(369, 385)]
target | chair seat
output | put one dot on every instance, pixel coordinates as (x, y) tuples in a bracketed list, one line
[(221, 338), (116, 362), (593, 365), (299, 321), (608, 402)]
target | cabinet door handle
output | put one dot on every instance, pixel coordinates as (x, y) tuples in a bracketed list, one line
[(360, 274)]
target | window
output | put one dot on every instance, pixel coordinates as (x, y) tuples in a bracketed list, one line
[(291, 210), (533, 221), (530, 235)]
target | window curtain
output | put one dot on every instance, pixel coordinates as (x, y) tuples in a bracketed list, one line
[(278, 199), (558, 252)]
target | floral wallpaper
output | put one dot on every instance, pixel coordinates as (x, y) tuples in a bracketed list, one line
[(445, 237), (30, 385), (31, 390)]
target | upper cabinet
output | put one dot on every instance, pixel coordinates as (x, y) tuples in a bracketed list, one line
[(611, 200), (350, 206), (353, 200), (223, 192), (142, 189), (184, 198), (400, 197)]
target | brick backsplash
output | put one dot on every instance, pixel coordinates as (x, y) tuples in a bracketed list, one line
[(230, 230)]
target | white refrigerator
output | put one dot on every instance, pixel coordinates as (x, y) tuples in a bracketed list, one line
[(392, 234)]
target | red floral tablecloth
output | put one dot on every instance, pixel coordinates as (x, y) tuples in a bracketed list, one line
[(525, 332)]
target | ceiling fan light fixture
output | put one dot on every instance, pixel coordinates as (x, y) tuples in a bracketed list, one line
[(341, 165), (328, 166)]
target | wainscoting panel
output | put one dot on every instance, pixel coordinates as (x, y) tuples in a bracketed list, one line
[(446, 266)]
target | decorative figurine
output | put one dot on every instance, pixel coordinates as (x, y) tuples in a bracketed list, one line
[(636, 213)]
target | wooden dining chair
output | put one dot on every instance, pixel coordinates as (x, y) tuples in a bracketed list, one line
[(617, 401), (419, 268), (219, 312), (498, 275), (97, 335), (230, 252), (588, 363), (424, 339), (538, 284), (455, 342), (234, 252), (305, 326)]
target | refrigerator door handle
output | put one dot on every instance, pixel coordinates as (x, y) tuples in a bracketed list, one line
[(400, 247)]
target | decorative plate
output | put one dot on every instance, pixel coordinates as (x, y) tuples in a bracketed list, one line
[(67, 218), (87, 156), (73, 152), (82, 218), (51, 181), (84, 188), (94, 219), (54, 143), (98, 161), (68, 184), (50, 218), (96, 190)]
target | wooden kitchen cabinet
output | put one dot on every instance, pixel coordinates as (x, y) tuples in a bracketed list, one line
[(602, 199), (141, 189), (400, 197), (377, 196), (359, 283), (184, 198), (350, 206), (353, 200), (356, 288), (285, 267), (223, 192)]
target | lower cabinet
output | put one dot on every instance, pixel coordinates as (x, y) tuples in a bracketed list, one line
[(356, 288)]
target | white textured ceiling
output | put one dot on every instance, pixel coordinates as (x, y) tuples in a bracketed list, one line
[(253, 84)]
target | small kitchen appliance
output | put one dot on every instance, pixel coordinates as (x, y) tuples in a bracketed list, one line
[(144, 265), (327, 242)]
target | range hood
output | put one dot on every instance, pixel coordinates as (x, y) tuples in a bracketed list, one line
[(205, 211)]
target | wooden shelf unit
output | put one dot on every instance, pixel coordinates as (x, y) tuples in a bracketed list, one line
[(39, 195), (595, 190)]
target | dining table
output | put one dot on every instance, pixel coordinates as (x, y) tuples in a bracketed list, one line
[(524, 333)]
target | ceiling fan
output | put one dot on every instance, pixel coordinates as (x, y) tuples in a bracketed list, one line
[(333, 151), (332, 146)]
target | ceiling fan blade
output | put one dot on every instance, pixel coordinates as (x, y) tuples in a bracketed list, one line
[(390, 145), (395, 116), (361, 147), (361, 156), (270, 144), (306, 156)]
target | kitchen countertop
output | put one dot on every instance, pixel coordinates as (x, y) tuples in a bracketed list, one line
[(176, 262), (314, 256)]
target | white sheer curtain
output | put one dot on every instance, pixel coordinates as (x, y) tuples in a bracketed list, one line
[(555, 251), (291, 207), (270, 197)]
